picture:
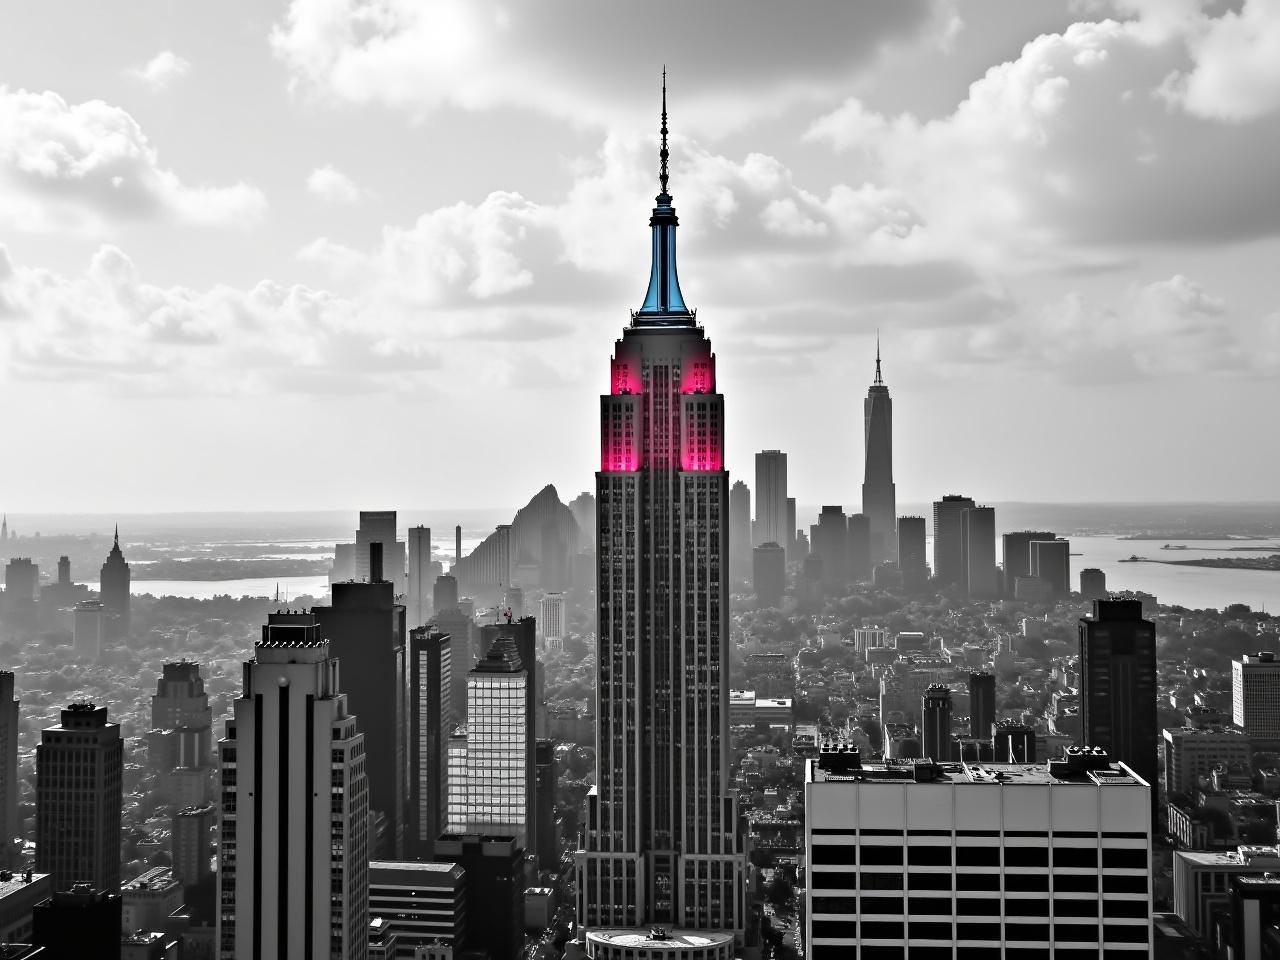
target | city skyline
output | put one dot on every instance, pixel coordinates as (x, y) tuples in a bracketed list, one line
[(389, 235)]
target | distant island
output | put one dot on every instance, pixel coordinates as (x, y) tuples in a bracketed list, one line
[(1229, 563), (223, 569), (1179, 535)]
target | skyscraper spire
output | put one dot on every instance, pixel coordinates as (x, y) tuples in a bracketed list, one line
[(663, 154), (117, 544), (879, 379), (663, 302)]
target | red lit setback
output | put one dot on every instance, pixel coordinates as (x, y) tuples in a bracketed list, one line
[(625, 378), (705, 460), (699, 377), (619, 457)]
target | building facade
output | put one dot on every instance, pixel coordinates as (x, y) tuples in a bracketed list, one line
[(948, 539), (113, 591), (934, 857), (79, 799), (9, 785), (661, 843), (430, 718), (424, 903), (978, 536), (1255, 696), (771, 499), (293, 856)]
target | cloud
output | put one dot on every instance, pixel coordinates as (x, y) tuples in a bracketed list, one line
[(731, 60), (332, 185), (161, 70), (108, 328), (1158, 329), (1236, 71), (1072, 151), (81, 167)]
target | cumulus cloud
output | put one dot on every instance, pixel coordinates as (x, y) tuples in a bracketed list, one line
[(1073, 147), (161, 70), (83, 166), (1235, 74), (332, 185), (581, 61)]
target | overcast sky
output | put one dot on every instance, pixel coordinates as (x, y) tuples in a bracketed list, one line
[(345, 253)]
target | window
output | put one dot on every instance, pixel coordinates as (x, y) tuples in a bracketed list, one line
[(975, 907), (889, 905), (1077, 883), (1127, 933), (1026, 882), (1026, 857), (835, 929), (881, 930), (1124, 908), (1121, 884), (977, 856), (978, 881), (926, 906), (918, 856), (828, 853), (928, 930), (931, 881), (881, 881), (1018, 907), (1076, 908), (886, 856), (1078, 932), (990, 932), (1080, 858), (835, 905), (1124, 859), (1026, 931)]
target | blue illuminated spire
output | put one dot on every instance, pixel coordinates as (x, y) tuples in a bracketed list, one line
[(663, 303)]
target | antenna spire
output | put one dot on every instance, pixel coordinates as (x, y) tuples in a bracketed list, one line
[(879, 379), (117, 534), (663, 154)]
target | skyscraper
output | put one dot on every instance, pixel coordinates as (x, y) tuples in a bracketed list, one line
[(935, 722), (551, 619), (1051, 562), (948, 539), (421, 577), (982, 705), (1016, 551), (769, 574), (740, 529), (790, 543), (430, 716), (1118, 685), (661, 844), (10, 825), (365, 628), (771, 496), (879, 494), (860, 548), (912, 558), (379, 526), (495, 795), (978, 535), (830, 540), (180, 742), (294, 883), (1255, 696), (79, 799), (113, 591)]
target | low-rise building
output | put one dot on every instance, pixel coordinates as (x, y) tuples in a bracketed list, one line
[(1202, 880)]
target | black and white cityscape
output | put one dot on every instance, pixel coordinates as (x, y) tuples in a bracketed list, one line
[(397, 566)]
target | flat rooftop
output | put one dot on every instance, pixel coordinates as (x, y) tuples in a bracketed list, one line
[(1005, 774)]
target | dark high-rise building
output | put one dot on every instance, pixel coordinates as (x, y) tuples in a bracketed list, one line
[(379, 526), (948, 539), (9, 786), (769, 574), (293, 855), (1012, 742), (79, 799), (1093, 584), (1051, 562), (860, 547), (912, 556), (548, 846), (79, 922), (935, 722), (365, 630), (1118, 685), (21, 586), (430, 717), (494, 879), (790, 543), (444, 593), (879, 494), (739, 529), (830, 540), (661, 843), (982, 704), (1016, 551), (771, 499), (978, 534), (113, 591)]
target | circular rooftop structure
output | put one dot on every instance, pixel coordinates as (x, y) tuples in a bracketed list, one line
[(659, 943)]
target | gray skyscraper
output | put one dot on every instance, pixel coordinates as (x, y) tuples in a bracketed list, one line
[(113, 591), (379, 526), (9, 786), (422, 577), (79, 799), (293, 860), (661, 838), (912, 560), (739, 529), (430, 720), (1016, 551), (978, 534), (771, 499), (948, 539), (879, 494)]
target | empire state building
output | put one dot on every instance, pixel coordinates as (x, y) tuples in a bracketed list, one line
[(879, 494), (661, 845)]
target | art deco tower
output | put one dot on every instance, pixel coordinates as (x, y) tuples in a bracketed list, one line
[(879, 495), (661, 839), (113, 590)]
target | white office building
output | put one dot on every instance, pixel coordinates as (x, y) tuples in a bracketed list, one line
[(293, 855), (1029, 858), (1255, 696), (551, 621)]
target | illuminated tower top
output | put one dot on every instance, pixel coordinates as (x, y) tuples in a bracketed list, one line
[(663, 303)]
